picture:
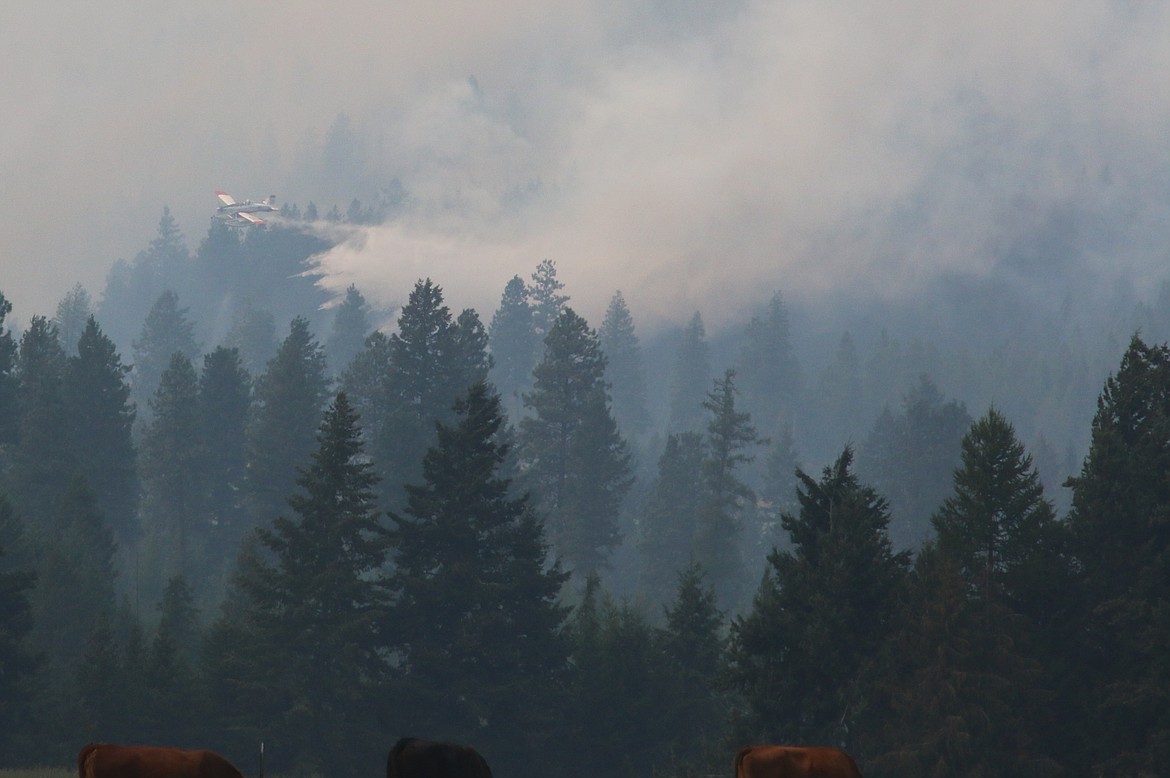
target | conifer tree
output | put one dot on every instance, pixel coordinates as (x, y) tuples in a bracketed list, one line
[(574, 458), (351, 325), (1120, 521), (289, 397), (729, 435), (9, 378), (73, 311), (16, 620), (690, 378), (546, 300), (223, 405), (300, 624), (669, 521), (476, 618), (802, 657), (42, 458), (165, 332), (100, 419), (253, 333), (623, 368), (513, 341), (174, 476), (768, 370)]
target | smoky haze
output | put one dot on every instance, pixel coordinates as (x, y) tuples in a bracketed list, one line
[(677, 152)]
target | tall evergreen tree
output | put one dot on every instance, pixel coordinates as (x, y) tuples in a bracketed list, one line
[(351, 325), (476, 621), (693, 646), (690, 378), (223, 405), (289, 398), (668, 523), (910, 457), (623, 368), (100, 419), (253, 333), (175, 478), (303, 616), (726, 496), (9, 377), (574, 458), (802, 657), (768, 370), (41, 458), (1120, 522), (166, 331), (840, 399), (513, 341), (17, 658), (73, 311), (546, 300)]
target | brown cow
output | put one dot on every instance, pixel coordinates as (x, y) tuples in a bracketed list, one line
[(105, 760), (414, 758), (794, 762)]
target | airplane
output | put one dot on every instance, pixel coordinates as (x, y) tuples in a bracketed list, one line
[(236, 214)]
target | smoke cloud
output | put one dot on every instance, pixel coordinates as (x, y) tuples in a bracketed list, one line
[(690, 157)]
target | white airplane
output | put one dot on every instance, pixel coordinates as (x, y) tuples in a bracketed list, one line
[(237, 214)]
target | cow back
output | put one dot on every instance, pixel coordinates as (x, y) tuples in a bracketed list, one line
[(106, 760), (416, 758), (794, 762)]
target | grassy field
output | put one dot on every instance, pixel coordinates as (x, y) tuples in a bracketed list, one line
[(40, 772)]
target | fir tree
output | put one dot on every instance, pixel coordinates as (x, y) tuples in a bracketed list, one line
[(174, 476), (286, 411), (9, 378), (73, 311), (546, 301), (802, 657), (304, 611), (17, 659), (476, 619), (253, 334), (575, 460), (166, 331), (729, 435), (351, 325), (768, 370), (690, 378), (623, 368), (670, 518), (513, 341), (100, 420)]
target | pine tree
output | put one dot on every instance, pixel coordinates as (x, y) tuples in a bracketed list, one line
[(546, 301), (1121, 542), (670, 518), (802, 657), (175, 477), (513, 341), (729, 435), (165, 332), (693, 646), (17, 658), (574, 459), (100, 420), (690, 378), (223, 405), (73, 311), (286, 411), (911, 457), (351, 325), (304, 612), (42, 459), (768, 370), (9, 378), (624, 367), (476, 619), (253, 333)]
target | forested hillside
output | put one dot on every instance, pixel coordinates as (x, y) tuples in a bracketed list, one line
[(234, 511)]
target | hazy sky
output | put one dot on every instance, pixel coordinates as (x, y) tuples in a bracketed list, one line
[(675, 152)]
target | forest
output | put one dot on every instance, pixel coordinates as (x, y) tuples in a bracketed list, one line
[(236, 511)]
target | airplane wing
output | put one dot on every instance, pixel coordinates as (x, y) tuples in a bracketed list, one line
[(249, 217), (225, 197)]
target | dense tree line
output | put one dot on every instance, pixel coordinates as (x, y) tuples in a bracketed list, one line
[(324, 541)]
